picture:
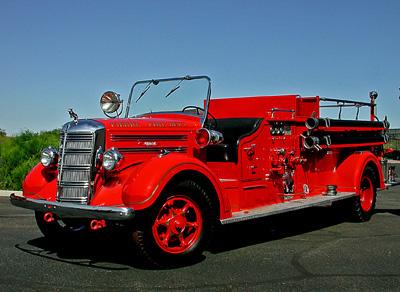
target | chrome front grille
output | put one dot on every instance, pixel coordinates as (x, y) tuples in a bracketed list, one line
[(73, 175), (78, 144), (76, 165), (77, 158), (74, 194)]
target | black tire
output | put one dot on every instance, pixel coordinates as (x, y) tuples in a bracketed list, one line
[(144, 236), (51, 230), (363, 208), (59, 229)]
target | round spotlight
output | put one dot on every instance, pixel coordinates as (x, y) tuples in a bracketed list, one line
[(110, 102)]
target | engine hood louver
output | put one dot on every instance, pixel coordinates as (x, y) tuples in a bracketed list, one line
[(147, 143)]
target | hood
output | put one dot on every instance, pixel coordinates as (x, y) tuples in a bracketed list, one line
[(151, 134), (154, 122)]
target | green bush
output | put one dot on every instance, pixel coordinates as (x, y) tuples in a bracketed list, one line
[(18, 154)]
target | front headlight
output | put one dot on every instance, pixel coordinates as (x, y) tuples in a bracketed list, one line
[(49, 156), (111, 158)]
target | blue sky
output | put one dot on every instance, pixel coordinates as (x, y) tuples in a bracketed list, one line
[(60, 54)]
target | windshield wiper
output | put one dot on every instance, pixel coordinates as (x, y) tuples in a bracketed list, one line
[(177, 86), (172, 91), (155, 82)]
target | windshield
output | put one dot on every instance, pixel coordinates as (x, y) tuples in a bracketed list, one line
[(187, 95)]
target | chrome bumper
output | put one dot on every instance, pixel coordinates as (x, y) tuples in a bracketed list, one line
[(70, 210)]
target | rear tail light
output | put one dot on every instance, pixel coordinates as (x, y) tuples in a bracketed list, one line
[(205, 137)]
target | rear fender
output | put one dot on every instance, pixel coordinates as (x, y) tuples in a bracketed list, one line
[(144, 187), (349, 172)]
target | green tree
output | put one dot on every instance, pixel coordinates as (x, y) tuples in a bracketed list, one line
[(18, 154)]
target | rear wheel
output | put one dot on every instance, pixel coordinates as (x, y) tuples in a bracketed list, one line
[(177, 228), (364, 204)]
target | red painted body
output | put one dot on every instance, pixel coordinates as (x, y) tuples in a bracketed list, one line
[(264, 164)]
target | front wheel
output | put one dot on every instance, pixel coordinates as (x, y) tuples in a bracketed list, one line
[(55, 228), (176, 229), (51, 229), (178, 226)]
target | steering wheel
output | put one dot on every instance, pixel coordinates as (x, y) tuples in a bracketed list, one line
[(197, 108), (209, 123)]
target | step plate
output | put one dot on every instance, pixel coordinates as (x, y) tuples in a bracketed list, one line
[(320, 200), (391, 184)]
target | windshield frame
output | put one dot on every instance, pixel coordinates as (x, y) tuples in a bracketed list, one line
[(189, 78)]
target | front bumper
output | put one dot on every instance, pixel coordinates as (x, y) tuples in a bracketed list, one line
[(70, 210)]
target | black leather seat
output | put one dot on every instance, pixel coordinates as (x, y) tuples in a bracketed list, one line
[(233, 129)]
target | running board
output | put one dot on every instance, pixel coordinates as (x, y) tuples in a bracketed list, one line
[(391, 184), (314, 201)]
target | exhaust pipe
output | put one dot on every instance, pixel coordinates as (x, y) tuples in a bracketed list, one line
[(48, 217), (97, 224)]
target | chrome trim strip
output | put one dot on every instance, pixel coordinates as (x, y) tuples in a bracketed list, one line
[(139, 138), (67, 183), (77, 151), (153, 149), (61, 162), (71, 210), (77, 167)]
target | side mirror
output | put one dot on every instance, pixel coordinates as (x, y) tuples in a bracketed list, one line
[(110, 103)]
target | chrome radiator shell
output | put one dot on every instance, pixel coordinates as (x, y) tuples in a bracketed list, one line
[(76, 170)]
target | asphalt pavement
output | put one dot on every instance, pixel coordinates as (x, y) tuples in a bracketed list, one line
[(315, 249)]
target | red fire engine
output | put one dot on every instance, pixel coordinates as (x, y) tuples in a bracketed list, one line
[(172, 169)]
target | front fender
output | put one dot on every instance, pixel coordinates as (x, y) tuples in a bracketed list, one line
[(40, 183), (351, 169), (144, 187)]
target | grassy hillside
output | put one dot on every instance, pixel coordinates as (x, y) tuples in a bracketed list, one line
[(18, 154)]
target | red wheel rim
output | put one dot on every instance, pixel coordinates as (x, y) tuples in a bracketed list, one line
[(178, 225), (366, 194)]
